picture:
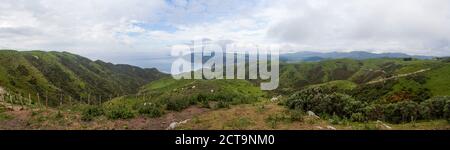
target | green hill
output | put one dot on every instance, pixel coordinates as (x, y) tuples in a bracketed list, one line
[(61, 73), (295, 76), (393, 90)]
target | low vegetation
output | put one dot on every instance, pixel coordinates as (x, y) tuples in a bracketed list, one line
[(327, 102)]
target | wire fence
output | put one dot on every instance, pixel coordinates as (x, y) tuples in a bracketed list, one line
[(39, 101)]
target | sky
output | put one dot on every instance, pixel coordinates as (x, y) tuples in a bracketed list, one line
[(141, 32)]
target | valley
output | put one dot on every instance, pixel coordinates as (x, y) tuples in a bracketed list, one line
[(59, 90)]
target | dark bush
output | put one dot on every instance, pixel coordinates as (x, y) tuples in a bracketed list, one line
[(447, 111), (221, 96), (331, 104), (374, 112), (150, 109), (90, 112), (22, 70), (434, 107), (401, 112), (178, 103), (2, 108), (118, 111), (296, 115), (373, 92), (305, 99), (358, 117), (222, 104)]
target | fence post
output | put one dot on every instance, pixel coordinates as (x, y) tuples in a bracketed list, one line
[(38, 100), (60, 99), (100, 103), (46, 100), (70, 100), (21, 101), (10, 99), (89, 98), (29, 98)]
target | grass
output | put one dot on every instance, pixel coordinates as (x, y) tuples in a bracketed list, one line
[(439, 81), (420, 125), (273, 116), (340, 84), (262, 115), (239, 123), (4, 116)]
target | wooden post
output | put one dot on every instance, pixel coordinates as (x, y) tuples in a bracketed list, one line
[(100, 100), (110, 97), (144, 96), (46, 99), (21, 101), (29, 98), (38, 100), (89, 98), (70, 100), (61, 100), (11, 100)]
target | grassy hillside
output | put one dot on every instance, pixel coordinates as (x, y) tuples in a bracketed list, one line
[(59, 74), (393, 90), (170, 95), (295, 76)]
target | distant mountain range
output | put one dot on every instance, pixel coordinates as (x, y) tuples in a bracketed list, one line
[(360, 55)]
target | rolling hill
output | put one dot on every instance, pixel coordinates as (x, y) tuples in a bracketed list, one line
[(56, 74), (295, 76)]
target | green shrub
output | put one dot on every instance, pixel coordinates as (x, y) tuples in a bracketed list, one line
[(373, 92), (319, 100), (447, 111), (178, 103), (335, 120), (240, 123), (434, 107), (4, 116), (358, 117), (222, 104), (2, 108), (221, 96), (374, 112), (90, 112), (274, 119), (401, 112), (296, 115), (118, 111), (150, 109)]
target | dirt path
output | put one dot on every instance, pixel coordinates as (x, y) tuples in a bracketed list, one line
[(160, 123), (398, 76), (45, 119)]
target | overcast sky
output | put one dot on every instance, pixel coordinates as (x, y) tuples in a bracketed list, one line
[(133, 31)]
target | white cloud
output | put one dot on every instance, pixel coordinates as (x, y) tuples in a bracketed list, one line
[(76, 25), (411, 26)]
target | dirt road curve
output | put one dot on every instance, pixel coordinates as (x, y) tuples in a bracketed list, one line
[(398, 76)]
